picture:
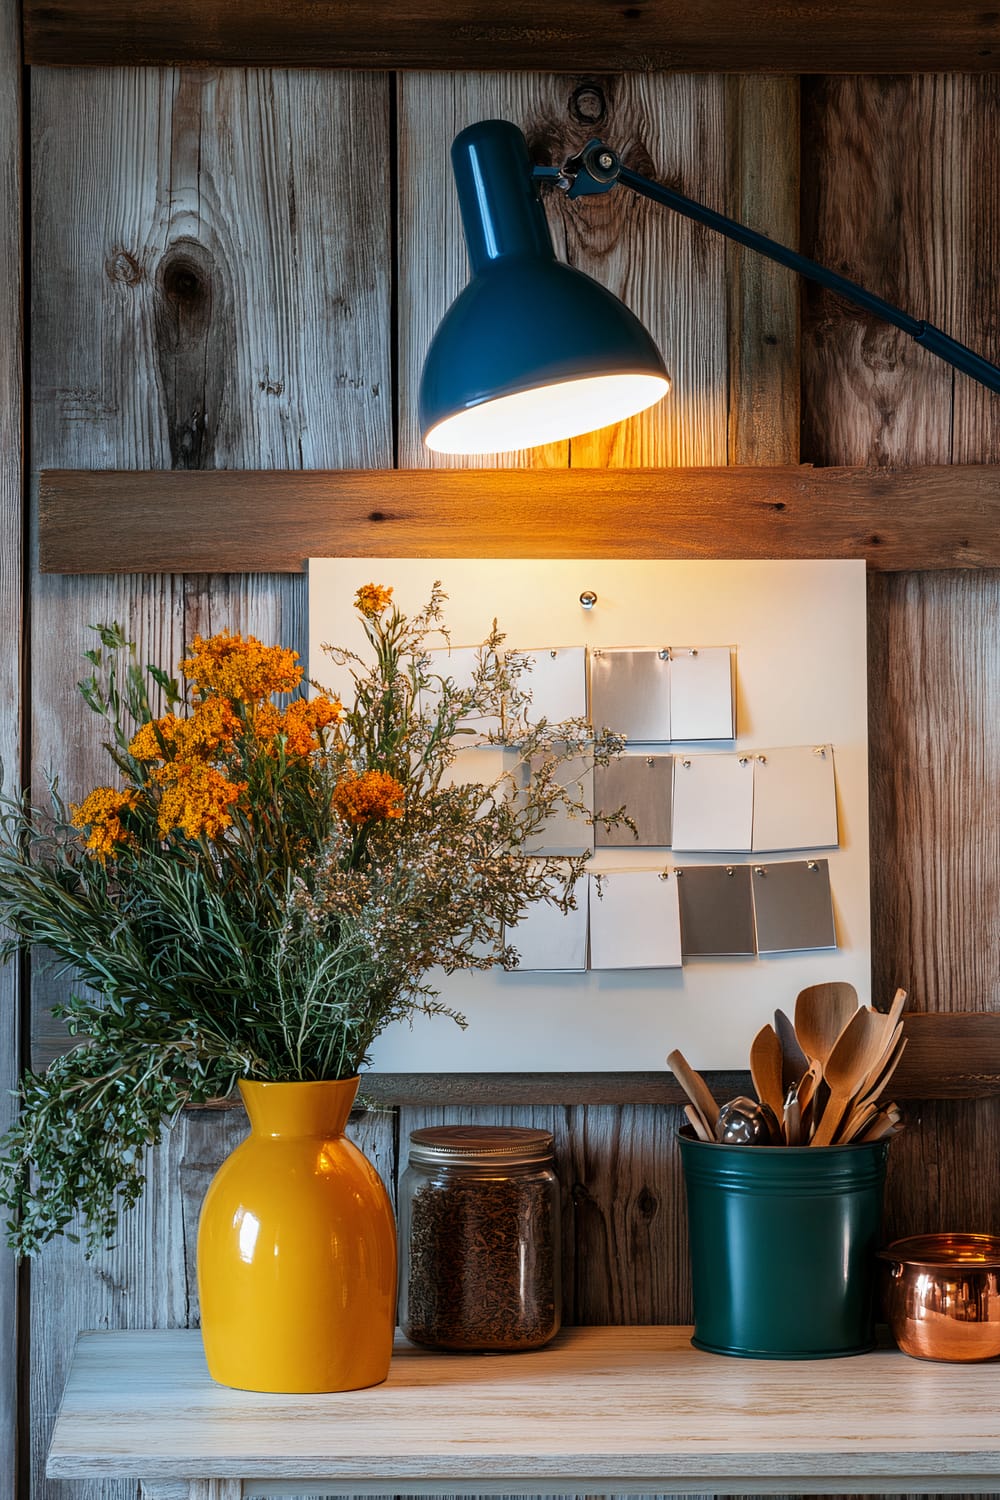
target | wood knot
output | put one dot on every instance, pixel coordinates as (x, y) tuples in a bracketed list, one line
[(647, 1203), (121, 266), (183, 283), (632, 14), (588, 104)]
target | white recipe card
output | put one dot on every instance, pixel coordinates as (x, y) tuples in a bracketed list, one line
[(635, 920), (548, 939), (701, 693), (460, 663), (794, 798), (713, 803), (556, 678)]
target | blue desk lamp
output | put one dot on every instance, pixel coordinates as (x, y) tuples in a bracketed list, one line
[(534, 351)]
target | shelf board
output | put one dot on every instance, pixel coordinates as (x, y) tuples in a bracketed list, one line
[(236, 521), (947, 1056), (599, 1410), (770, 36)]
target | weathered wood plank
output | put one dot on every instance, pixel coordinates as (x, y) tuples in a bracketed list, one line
[(876, 204), (600, 1406), (900, 171), (935, 669), (898, 519), (763, 140), (717, 35), (236, 322), (11, 603)]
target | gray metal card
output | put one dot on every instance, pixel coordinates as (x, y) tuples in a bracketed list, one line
[(569, 830), (716, 910), (630, 693), (643, 785), (793, 907)]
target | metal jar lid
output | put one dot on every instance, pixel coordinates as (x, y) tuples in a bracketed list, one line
[(494, 1145)]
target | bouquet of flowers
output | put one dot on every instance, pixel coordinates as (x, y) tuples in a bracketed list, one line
[(265, 887)]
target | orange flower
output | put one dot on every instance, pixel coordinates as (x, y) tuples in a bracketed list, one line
[(266, 721), (371, 599), (196, 799), (150, 738), (243, 669), (374, 794), (101, 812), (303, 720), (211, 727)]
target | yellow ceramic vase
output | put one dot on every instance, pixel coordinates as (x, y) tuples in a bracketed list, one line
[(297, 1249)]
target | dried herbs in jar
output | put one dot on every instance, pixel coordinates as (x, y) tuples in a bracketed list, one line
[(479, 1228)]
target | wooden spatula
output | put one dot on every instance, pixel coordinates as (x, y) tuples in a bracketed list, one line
[(794, 1062), (821, 1013), (696, 1089), (855, 1052), (765, 1069)]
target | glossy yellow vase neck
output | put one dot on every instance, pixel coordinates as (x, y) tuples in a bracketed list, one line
[(299, 1109)]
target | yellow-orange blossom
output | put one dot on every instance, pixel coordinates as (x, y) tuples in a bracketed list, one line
[(233, 679)]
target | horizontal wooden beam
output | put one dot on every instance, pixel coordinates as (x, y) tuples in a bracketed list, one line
[(228, 521), (947, 1056), (772, 36)]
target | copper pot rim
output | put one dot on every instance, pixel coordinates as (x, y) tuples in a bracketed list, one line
[(944, 1250)]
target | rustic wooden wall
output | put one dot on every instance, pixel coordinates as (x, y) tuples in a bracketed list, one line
[(211, 290), (196, 303), (11, 575), (903, 193)]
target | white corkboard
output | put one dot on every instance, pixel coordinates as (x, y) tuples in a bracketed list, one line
[(800, 633)]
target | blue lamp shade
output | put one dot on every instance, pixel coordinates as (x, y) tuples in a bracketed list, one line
[(532, 351)]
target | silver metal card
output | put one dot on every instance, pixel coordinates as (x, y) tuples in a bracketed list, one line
[(643, 785), (793, 906), (716, 910), (630, 693), (568, 830)]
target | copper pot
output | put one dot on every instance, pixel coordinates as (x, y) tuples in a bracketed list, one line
[(942, 1295)]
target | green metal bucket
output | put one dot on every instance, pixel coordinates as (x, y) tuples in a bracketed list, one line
[(783, 1243)]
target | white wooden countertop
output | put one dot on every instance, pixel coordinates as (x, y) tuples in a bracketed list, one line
[(599, 1410)]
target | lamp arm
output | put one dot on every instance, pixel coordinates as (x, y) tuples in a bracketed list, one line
[(597, 168)]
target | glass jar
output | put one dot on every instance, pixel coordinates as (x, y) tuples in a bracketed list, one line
[(479, 1236)]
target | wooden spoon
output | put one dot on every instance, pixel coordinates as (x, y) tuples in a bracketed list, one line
[(883, 1125), (856, 1120), (896, 1008), (822, 1011), (697, 1123), (794, 1062), (878, 1081), (696, 1089), (765, 1069), (854, 1054)]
